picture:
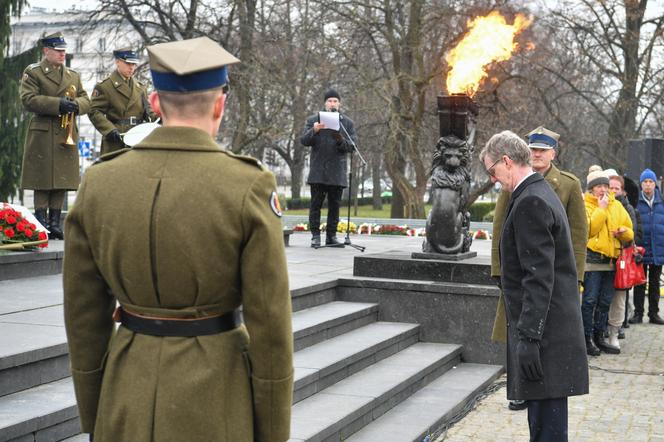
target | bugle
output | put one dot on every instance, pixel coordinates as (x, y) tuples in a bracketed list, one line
[(68, 120)]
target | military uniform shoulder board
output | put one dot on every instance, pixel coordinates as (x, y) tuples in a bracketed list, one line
[(109, 156), (245, 158), (569, 175), (32, 66)]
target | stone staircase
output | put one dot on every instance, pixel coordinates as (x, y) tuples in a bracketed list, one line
[(356, 378)]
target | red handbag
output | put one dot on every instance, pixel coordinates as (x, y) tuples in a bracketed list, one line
[(628, 272)]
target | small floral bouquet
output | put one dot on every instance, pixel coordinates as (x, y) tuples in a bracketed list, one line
[(368, 229), (301, 228), (19, 230), (481, 234), (341, 227)]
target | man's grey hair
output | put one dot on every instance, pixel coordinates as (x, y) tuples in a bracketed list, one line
[(507, 143)]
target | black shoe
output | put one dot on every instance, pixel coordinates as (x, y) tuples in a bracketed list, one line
[(621, 333), (625, 324), (331, 241), (517, 405), (315, 241), (636, 319), (40, 214), (54, 224), (604, 346), (655, 319), (591, 348)]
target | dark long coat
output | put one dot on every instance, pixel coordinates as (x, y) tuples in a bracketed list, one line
[(539, 282), (114, 99), (568, 189), (327, 164), (176, 227), (47, 165)]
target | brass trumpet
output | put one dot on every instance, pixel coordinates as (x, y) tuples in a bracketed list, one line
[(67, 120)]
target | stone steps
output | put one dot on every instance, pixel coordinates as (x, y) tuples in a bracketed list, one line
[(432, 406), (316, 324), (321, 365), (45, 412), (345, 407)]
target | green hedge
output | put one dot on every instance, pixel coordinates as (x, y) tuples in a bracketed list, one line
[(303, 203), (480, 211)]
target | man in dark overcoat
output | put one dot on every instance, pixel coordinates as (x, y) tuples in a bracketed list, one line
[(542, 143), (181, 234), (53, 93), (119, 102), (327, 168), (546, 352)]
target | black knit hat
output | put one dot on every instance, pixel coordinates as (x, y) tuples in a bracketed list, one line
[(331, 93)]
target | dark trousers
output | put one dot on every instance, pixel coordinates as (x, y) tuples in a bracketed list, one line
[(49, 199), (598, 293), (547, 420), (318, 194), (653, 273)]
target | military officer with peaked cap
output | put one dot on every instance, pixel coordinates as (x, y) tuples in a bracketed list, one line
[(182, 234), (542, 143), (119, 102), (50, 90)]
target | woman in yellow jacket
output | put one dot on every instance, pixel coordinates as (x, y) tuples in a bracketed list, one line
[(609, 226)]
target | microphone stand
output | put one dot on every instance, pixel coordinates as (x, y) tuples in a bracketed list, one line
[(350, 184)]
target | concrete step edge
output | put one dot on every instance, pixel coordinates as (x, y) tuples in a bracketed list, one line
[(316, 324), (432, 406), (37, 408), (316, 370), (371, 392)]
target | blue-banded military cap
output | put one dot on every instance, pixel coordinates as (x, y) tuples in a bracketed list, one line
[(126, 54), (543, 138), (54, 41), (192, 65)]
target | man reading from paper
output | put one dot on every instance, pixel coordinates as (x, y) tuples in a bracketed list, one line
[(327, 167)]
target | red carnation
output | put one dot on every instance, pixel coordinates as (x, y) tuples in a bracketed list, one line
[(33, 227), (28, 233), (11, 219), (42, 236), (20, 227), (9, 233)]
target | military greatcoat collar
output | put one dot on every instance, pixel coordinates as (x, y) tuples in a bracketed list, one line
[(552, 177), (52, 72), (179, 138)]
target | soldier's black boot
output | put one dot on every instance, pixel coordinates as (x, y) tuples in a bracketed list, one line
[(54, 224), (40, 214), (591, 348), (315, 240), (604, 346)]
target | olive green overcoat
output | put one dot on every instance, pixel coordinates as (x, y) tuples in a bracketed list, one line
[(115, 99), (568, 189), (47, 165), (176, 227)]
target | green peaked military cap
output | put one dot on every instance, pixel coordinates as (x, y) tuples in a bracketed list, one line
[(189, 65), (54, 41), (542, 138)]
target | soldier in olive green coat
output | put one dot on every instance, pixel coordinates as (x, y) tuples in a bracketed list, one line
[(182, 234), (50, 90), (542, 144), (119, 102)]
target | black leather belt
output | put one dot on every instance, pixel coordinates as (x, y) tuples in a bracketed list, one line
[(131, 121), (181, 327)]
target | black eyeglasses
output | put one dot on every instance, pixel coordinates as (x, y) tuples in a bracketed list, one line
[(226, 89), (490, 171)]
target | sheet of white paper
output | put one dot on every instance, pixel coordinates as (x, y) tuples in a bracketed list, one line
[(329, 119)]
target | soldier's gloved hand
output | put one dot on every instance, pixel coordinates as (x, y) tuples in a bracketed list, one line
[(496, 279), (68, 106), (114, 136), (528, 358), (92, 437)]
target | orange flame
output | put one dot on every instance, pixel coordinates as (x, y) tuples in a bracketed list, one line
[(489, 39)]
